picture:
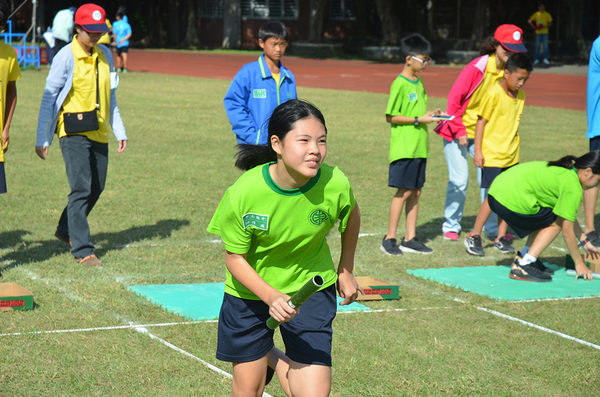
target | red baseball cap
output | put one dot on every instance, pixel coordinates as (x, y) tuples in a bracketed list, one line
[(511, 38), (92, 18)]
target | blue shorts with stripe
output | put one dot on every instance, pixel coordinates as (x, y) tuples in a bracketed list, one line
[(243, 334)]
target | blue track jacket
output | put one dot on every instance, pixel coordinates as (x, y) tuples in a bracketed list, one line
[(251, 98)]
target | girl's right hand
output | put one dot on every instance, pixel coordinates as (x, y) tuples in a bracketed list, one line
[(281, 310), (583, 271)]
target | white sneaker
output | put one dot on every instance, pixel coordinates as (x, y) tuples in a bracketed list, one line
[(536, 61), (546, 62)]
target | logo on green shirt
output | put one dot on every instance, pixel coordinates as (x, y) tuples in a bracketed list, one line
[(412, 96), (258, 221), (259, 93), (317, 217)]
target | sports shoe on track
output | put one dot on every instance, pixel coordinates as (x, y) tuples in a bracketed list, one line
[(542, 268), (528, 273), (390, 246), (593, 238), (452, 236), (414, 245), (504, 246), (474, 245)]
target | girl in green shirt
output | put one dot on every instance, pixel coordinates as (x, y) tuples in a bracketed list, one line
[(274, 222), (539, 200)]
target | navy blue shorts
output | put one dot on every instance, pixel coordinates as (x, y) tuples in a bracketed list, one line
[(523, 225), (244, 335), (2, 179), (595, 143), (124, 49), (488, 174), (407, 173)]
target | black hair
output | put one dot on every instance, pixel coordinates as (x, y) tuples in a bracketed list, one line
[(274, 29), (4, 12), (518, 60), (588, 160), (282, 121), (121, 11), (488, 46), (415, 44)]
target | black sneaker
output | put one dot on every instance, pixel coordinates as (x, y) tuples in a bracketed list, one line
[(593, 238), (528, 273), (390, 246), (474, 245), (541, 267), (414, 245), (504, 245)]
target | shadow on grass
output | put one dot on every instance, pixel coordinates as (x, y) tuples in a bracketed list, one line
[(433, 228), (39, 251)]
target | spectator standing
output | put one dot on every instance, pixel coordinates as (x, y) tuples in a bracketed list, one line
[(541, 20), (80, 106), (121, 35)]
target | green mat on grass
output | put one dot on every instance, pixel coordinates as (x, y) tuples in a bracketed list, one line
[(199, 301), (493, 282)]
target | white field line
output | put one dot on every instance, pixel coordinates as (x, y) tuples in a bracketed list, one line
[(539, 327), (172, 346)]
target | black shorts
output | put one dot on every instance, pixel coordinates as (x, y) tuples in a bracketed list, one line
[(522, 224), (407, 173), (124, 49), (2, 179), (243, 335), (488, 174)]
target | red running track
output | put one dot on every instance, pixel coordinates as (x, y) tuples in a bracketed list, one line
[(547, 90)]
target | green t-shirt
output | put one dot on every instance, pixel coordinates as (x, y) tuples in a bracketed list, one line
[(408, 98), (283, 232), (526, 187)]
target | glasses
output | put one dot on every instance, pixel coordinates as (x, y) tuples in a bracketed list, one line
[(425, 62)]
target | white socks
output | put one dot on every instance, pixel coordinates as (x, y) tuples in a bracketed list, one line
[(526, 260)]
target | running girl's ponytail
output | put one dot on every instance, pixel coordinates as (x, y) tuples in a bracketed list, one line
[(282, 121), (588, 160)]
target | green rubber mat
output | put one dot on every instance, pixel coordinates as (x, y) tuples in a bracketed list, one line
[(200, 301), (493, 282)]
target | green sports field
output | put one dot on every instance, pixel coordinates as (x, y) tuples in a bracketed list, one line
[(150, 228)]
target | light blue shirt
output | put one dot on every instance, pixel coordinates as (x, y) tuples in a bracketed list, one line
[(62, 26), (121, 29), (593, 92)]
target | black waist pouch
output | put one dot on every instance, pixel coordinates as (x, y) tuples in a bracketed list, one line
[(81, 122)]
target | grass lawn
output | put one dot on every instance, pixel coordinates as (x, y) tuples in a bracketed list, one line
[(149, 227)]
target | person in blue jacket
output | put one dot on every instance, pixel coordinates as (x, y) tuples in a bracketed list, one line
[(259, 87)]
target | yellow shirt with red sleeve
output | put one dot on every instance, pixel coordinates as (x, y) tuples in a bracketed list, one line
[(541, 21), (500, 144), (9, 71), (82, 97), (490, 78)]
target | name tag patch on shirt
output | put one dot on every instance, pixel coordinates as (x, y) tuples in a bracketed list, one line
[(258, 221), (412, 97), (259, 93)]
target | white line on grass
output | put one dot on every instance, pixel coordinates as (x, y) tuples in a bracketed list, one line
[(506, 316), (172, 346)]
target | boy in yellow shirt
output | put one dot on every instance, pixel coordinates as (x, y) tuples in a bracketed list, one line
[(541, 20), (497, 142)]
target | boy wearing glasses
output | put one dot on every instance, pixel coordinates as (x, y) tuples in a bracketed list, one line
[(409, 146)]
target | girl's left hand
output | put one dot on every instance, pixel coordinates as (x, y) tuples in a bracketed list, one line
[(591, 249), (348, 288), (583, 271)]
